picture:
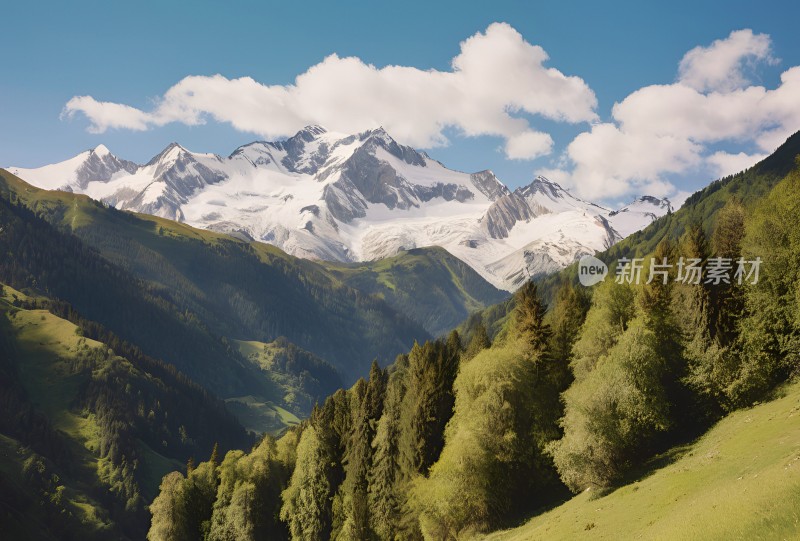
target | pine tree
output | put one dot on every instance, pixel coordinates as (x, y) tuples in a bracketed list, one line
[(306, 500), (478, 342), (565, 320), (727, 299), (169, 511), (354, 518), (384, 501), (432, 369), (215, 454), (529, 314)]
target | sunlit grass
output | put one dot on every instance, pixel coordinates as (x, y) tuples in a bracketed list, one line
[(739, 481)]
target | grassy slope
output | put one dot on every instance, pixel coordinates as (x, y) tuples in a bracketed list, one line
[(47, 344), (428, 284), (741, 480), (258, 413)]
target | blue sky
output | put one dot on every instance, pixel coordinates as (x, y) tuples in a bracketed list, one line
[(132, 52)]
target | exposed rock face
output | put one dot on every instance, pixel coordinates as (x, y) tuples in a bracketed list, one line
[(101, 165), (353, 197)]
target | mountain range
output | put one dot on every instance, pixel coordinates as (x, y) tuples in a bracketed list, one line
[(353, 198)]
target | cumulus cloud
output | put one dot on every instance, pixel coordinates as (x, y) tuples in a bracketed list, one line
[(725, 163), (720, 65), (663, 130), (106, 115), (497, 80)]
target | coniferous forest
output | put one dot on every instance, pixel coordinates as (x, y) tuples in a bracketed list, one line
[(478, 431)]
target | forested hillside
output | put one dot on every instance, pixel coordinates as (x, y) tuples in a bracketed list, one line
[(90, 424), (231, 288), (455, 440), (430, 285)]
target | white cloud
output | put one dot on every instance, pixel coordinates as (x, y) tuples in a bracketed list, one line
[(720, 65), (729, 164), (528, 145), (106, 115), (496, 83), (496, 79), (663, 130)]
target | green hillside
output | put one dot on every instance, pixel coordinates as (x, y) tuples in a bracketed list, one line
[(429, 285), (231, 288), (740, 481), (88, 431)]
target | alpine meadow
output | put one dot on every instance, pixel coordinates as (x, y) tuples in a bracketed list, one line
[(458, 279)]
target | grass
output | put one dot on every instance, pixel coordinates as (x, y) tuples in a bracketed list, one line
[(261, 413), (740, 481), (155, 467), (45, 345)]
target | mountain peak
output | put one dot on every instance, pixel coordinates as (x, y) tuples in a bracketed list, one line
[(173, 151), (648, 203), (101, 151), (377, 134), (310, 132), (545, 186)]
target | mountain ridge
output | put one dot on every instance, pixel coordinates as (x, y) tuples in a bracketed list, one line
[(354, 198)]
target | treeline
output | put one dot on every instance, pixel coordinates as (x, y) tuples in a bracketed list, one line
[(383, 459), (454, 441)]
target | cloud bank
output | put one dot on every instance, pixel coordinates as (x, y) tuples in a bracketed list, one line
[(496, 79), (498, 85), (663, 130)]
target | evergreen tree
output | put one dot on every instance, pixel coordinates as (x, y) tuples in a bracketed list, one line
[(215, 454), (432, 369), (566, 319), (529, 313), (478, 342), (384, 501), (169, 511), (493, 466), (770, 328), (306, 500), (727, 298)]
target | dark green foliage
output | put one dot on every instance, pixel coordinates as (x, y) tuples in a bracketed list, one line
[(565, 319), (428, 404), (306, 503), (726, 300), (385, 500), (770, 330), (493, 466), (135, 402)]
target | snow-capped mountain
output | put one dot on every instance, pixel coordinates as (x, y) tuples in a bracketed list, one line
[(341, 197)]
